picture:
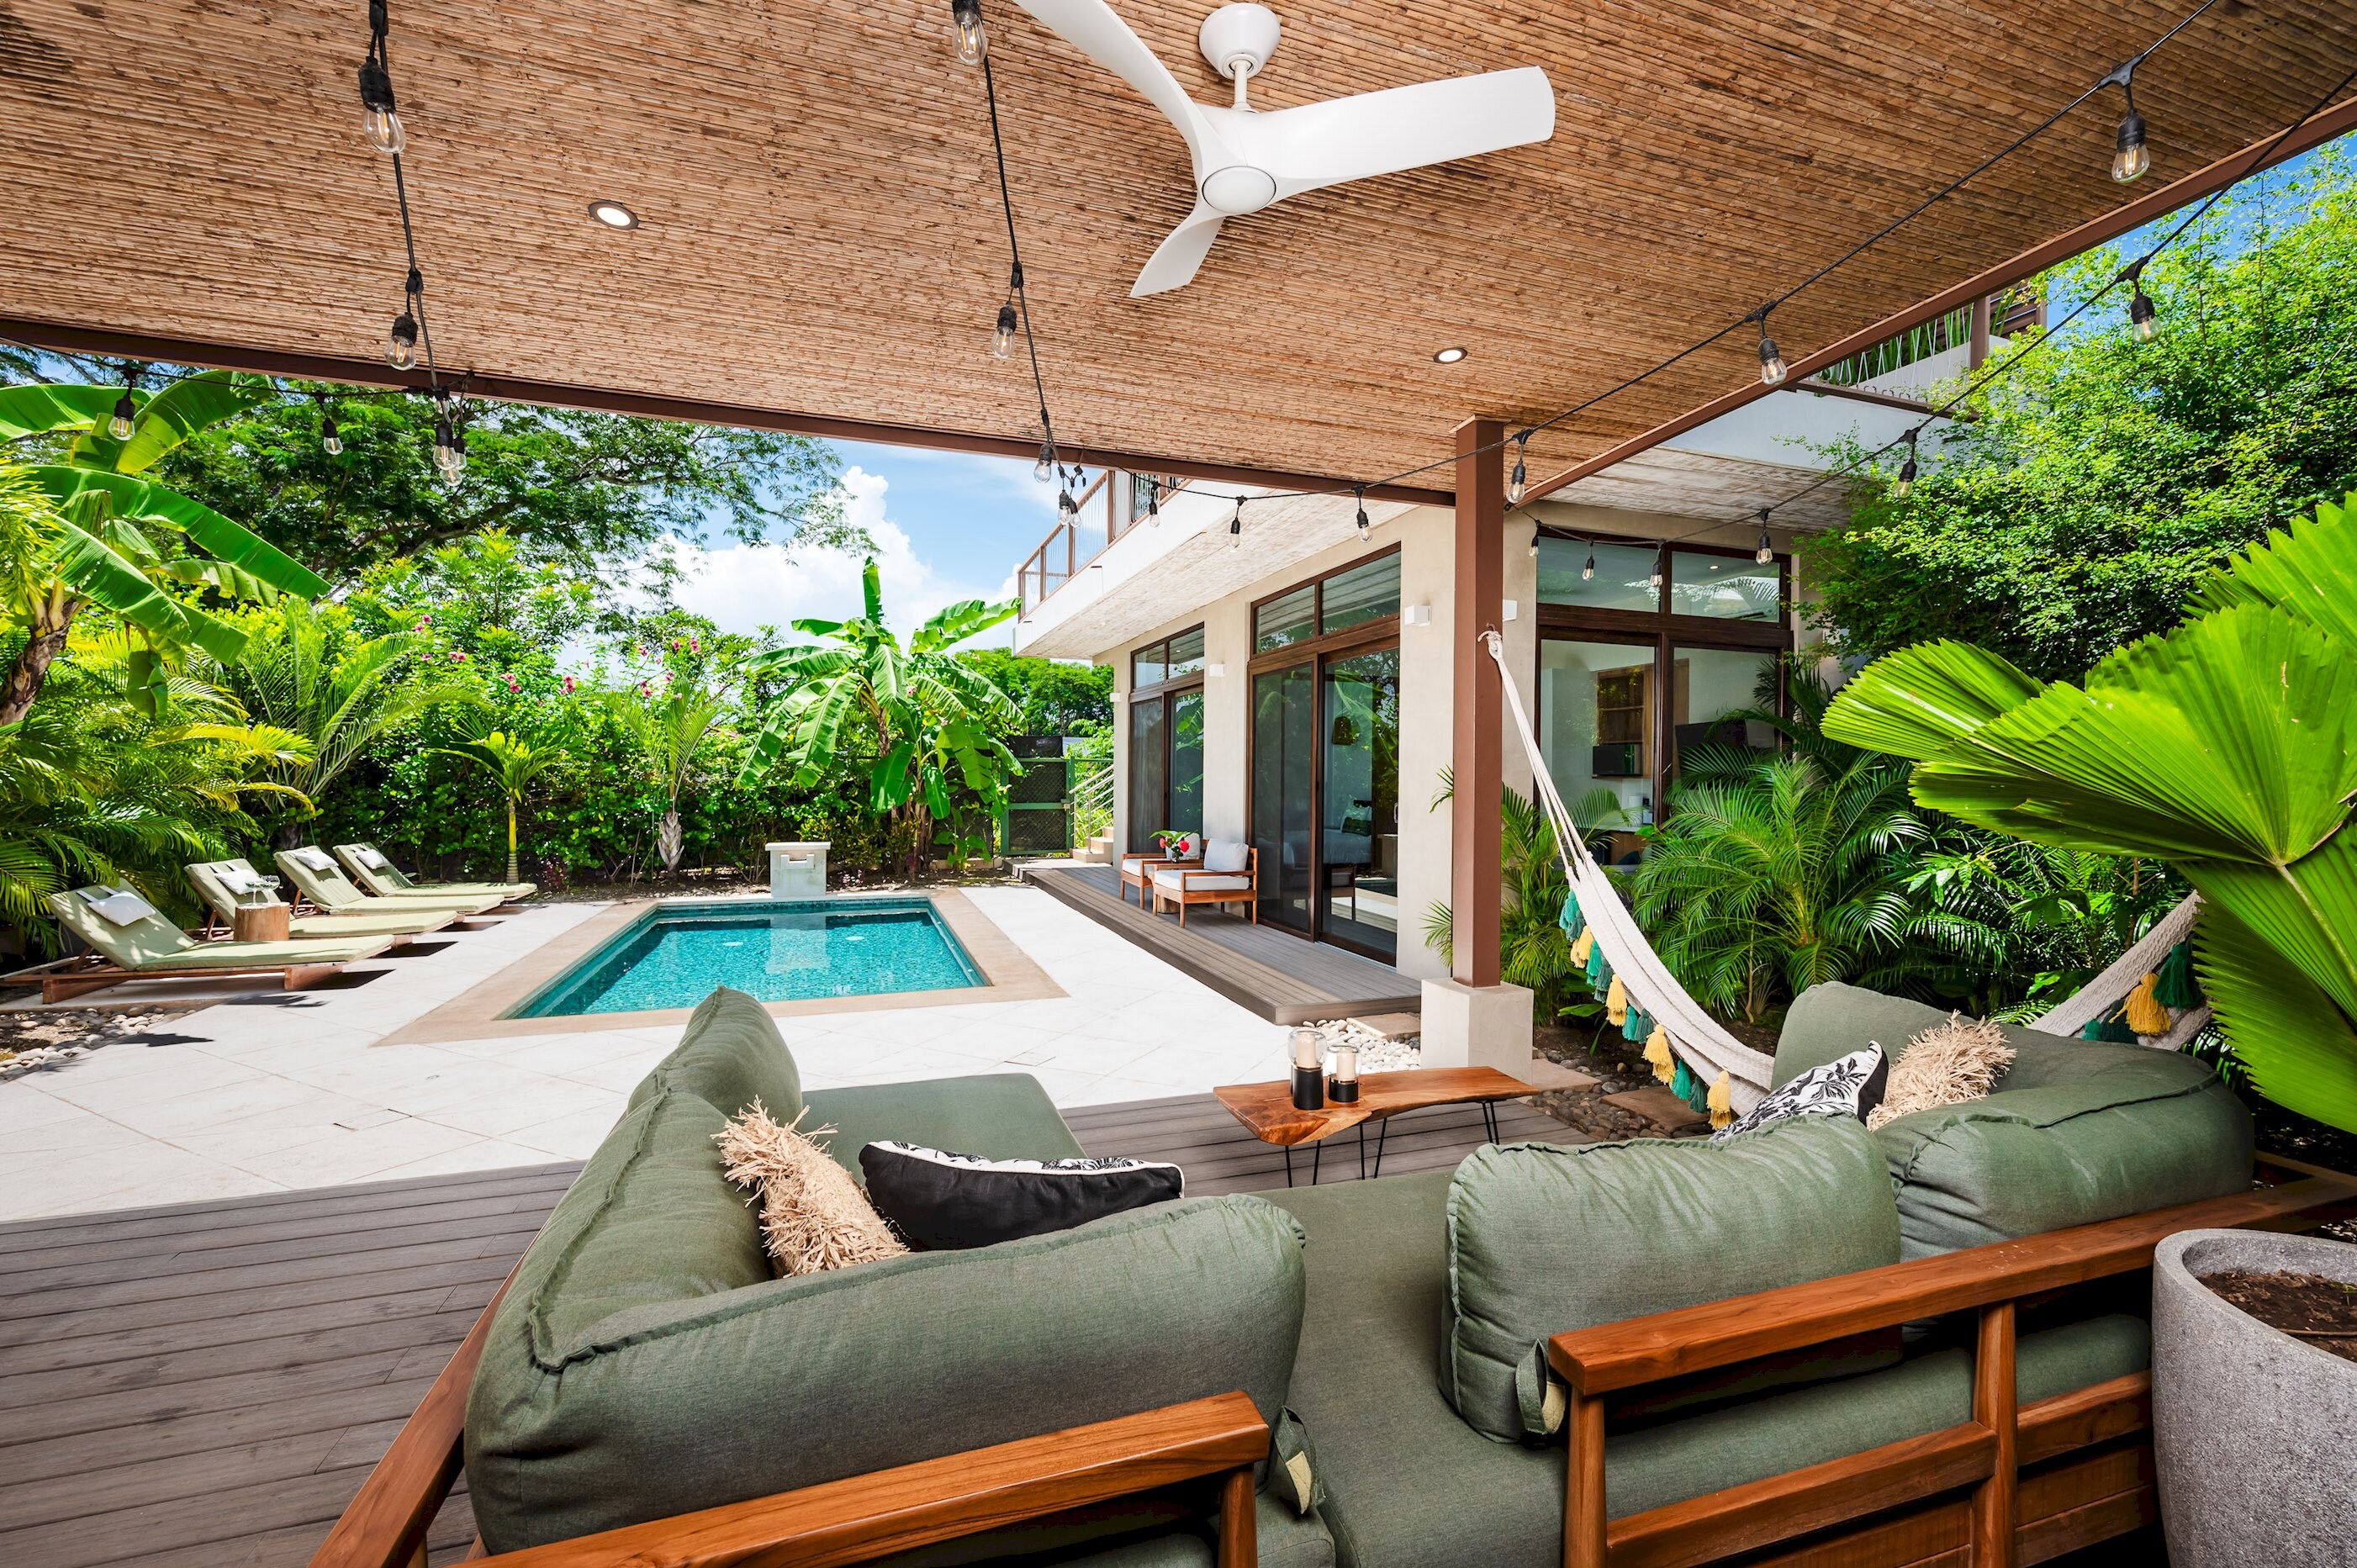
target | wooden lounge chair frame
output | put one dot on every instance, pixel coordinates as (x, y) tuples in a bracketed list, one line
[(1248, 895), (2014, 1485), (67, 978), (1142, 876)]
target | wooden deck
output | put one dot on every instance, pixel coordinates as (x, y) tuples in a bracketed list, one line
[(1275, 973), (204, 1386)]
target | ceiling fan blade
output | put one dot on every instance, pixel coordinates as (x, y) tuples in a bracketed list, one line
[(1399, 128), (1174, 261), (1092, 27)]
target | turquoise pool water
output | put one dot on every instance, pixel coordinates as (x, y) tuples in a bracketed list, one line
[(776, 952)]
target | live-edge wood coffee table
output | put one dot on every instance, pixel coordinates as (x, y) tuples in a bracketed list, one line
[(1268, 1113)]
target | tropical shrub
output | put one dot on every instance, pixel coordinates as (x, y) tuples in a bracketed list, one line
[(2226, 748)]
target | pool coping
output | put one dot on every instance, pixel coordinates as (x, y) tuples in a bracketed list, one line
[(1009, 974)]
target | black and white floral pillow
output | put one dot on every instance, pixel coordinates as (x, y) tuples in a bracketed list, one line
[(941, 1201), (1846, 1086)]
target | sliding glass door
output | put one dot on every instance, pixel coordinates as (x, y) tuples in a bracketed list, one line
[(1358, 883), (1285, 728)]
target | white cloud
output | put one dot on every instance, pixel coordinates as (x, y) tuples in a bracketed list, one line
[(743, 587)]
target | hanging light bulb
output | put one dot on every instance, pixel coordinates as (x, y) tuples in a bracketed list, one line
[(972, 38), (1658, 551), (1002, 337), (1365, 527), (401, 343), (126, 413), (1045, 467), (1771, 362), (330, 442), (2142, 317), (1907, 471), (1518, 481), (1588, 573), (1236, 526), (1765, 549), (1066, 505), (1153, 499), (379, 124), (2132, 157)]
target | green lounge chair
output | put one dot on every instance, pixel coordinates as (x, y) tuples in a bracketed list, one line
[(376, 873), (219, 883), (326, 885), (134, 941)]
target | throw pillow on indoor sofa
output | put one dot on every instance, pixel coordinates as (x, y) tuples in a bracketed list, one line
[(1543, 1238)]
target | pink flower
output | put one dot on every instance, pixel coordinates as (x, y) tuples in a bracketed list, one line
[(457, 657), (568, 685), (693, 646), (674, 645), (514, 685)]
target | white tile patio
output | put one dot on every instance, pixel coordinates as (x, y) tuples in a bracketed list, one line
[(271, 1091)]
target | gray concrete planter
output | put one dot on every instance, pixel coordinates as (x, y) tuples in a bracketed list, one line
[(2255, 1431)]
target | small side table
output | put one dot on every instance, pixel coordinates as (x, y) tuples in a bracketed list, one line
[(1268, 1113), (260, 922)]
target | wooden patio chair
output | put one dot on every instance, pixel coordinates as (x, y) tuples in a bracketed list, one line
[(1137, 870), (1229, 874), (145, 945)]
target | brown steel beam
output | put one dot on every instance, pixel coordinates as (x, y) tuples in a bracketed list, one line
[(2225, 171), (1474, 816), (106, 344)]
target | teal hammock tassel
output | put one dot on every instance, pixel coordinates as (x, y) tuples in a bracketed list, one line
[(1600, 970), (1639, 1026), (1690, 1089), (1571, 918), (2178, 986), (2113, 1029)]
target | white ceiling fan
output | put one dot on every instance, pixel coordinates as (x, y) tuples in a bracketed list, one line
[(1246, 160)]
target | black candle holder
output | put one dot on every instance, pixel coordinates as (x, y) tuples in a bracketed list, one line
[(1342, 1090), (1308, 1089)]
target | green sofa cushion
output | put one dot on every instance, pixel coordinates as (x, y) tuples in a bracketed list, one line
[(997, 1116), (730, 1055), (1409, 1484), (1543, 1238), (2076, 1131)]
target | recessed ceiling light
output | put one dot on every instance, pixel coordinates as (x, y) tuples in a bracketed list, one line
[(613, 215), (1448, 356)]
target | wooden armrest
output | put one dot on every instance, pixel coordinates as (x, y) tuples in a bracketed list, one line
[(1639, 1350), (864, 1516), (385, 1525)]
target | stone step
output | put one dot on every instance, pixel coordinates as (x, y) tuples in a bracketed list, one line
[(1545, 1074), (1663, 1109)]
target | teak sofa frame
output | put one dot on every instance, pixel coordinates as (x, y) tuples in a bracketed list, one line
[(1248, 895), (2013, 1486)]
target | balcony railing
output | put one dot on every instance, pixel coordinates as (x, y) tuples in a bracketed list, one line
[(1110, 507), (2007, 314)]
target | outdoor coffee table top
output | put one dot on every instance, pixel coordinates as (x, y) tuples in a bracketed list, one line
[(1268, 1113)]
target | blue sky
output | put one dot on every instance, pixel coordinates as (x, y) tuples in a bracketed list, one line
[(947, 527)]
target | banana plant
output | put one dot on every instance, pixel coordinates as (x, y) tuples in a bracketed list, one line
[(104, 551), (918, 721), (2226, 748)]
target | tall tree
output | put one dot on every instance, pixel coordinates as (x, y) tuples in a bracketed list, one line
[(2105, 475)]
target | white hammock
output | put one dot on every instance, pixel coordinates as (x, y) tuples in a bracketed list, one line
[(1694, 1037)]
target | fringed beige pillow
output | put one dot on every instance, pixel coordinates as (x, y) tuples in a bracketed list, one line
[(1947, 1064), (813, 1216)]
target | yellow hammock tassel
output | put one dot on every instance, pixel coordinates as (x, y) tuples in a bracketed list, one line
[(1579, 949), (1657, 1051), (2146, 1016), (1616, 1002), (1722, 1102)]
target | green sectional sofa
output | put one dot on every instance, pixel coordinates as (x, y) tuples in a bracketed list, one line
[(644, 1363)]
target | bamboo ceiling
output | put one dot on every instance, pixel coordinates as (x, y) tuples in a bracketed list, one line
[(821, 232)]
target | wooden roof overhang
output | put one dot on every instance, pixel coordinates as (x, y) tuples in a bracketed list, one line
[(820, 246)]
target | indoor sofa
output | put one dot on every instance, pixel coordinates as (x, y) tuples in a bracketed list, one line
[(1645, 1352)]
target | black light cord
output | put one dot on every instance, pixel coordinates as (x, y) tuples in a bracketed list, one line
[(1015, 255)]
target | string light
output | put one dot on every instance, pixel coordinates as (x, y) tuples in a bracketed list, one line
[(1771, 362), (400, 342), (1002, 337), (126, 408), (1907, 471), (1588, 572), (1364, 526), (2142, 318), (330, 441), (1660, 551), (973, 38), (2130, 156), (1520, 479), (1766, 552), (1236, 526), (1046, 466), (379, 122), (1153, 499)]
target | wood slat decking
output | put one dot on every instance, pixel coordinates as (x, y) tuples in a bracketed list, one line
[(1280, 976), (205, 1385)]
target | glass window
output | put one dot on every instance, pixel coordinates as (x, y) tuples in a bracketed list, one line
[(1284, 621), (1707, 684), (1622, 578), (1361, 594), (1727, 587), (1150, 773), (1147, 666), (1596, 731), (1359, 833), (1187, 762), (1186, 655), (1284, 723)]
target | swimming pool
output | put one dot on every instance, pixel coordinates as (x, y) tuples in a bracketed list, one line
[(776, 952)]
